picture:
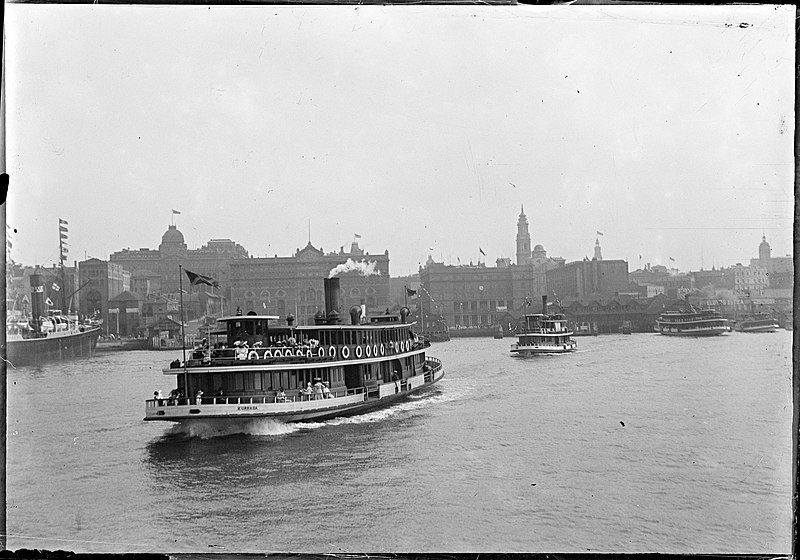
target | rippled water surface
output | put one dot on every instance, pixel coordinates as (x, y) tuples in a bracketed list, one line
[(634, 443)]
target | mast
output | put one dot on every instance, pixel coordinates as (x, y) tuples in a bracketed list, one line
[(183, 333)]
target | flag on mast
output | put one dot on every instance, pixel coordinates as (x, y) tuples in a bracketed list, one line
[(599, 233), (411, 292), (195, 279), (481, 250), (175, 212), (357, 236), (63, 222)]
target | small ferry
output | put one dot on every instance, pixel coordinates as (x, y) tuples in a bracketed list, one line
[(544, 334), (298, 373), (758, 322), (691, 321)]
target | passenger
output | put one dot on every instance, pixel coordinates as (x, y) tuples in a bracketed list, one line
[(281, 397), (318, 390), (308, 391), (326, 390), (219, 392), (198, 396)]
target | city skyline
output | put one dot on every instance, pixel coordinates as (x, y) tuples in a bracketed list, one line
[(668, 129)]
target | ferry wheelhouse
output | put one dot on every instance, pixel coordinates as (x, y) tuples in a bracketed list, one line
[(299, 373), (691, 321), (544, 334)]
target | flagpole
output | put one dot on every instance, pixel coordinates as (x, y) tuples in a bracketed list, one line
[(405, 296), (183, 333)]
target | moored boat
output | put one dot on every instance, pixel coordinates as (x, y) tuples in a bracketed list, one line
[(544, 334), (47, 336), (759, 322), (298, 373), (688, 320)]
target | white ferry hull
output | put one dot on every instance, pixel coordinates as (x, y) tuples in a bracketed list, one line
[(700, 331), (290, 411), (758, 329), (534, 350)]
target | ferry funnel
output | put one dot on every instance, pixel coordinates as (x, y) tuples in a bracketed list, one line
[(332, 299), (37, 297), (355, 315), (404, 314)]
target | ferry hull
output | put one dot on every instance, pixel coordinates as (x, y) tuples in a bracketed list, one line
[(710, 331), (36, 351), (300, 411), (533, 351), (757, 329)]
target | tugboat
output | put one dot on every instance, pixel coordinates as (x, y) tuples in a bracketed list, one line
[(688, 320), (544, 334), (47, 336), (758, 322), (298, 373)]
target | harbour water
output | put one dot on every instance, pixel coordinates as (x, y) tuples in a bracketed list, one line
[(632, 444)]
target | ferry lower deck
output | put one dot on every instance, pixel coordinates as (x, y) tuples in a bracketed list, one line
[(294, 407)]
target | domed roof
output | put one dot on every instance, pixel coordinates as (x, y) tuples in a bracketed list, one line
[(538, 248), (172, 236)]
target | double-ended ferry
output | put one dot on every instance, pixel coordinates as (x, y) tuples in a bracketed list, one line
[(544, 334), (298, 373)]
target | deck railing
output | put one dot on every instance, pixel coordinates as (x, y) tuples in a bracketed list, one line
[(299, 353), (251, 399)]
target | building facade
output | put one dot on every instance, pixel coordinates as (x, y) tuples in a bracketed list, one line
[(100, 282), (293, 285), (156, 270), (581, 279)]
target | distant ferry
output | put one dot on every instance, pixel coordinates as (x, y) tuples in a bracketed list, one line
[(759, 322), (299, 373), (691, 321), (544, 334), (47, 336)]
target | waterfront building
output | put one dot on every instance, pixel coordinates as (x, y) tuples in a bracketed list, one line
[(607, 314), (476, 296), (585, 278), (100, 282), (125, 314), (156, 270), (283, 285), (750, 280), (780, 270)]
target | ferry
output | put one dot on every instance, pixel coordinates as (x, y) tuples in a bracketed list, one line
[(47, 335), (759, 322), (544, 334), (691, 321), (298, 373)]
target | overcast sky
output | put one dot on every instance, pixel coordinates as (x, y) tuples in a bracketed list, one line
[(423, 129)]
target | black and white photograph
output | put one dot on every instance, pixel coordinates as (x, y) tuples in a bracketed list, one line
[(346, 279)]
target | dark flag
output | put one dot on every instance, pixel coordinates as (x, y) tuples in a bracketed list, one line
[(411, 292), (195, 279), (481, 250)]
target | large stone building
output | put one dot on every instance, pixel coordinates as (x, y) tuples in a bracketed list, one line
[(156, 270), (284, 285), (100, 282), (779, 270), (475, 296), (581, 279)]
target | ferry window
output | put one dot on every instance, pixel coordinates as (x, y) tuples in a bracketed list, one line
[(248, 381), (256, 381), (238, 382)]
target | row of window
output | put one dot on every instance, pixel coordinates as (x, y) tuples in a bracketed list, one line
[(461, 306), (309, 295), (249, 382)]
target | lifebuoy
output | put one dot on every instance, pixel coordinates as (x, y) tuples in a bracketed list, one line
[(359, 352), (332, 351), (267, 354), (408, 345), (368, 351), (345, 352), (253, 355), (383, 350), (309, 354), (375, 350), (288, 352), (278, 353), (321, 353)]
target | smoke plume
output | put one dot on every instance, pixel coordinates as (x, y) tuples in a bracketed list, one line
[(366, 269)]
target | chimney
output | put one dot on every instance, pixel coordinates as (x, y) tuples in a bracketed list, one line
[(37, 297), (332, 299), (404, 314), (355, 315), (544, 305)]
